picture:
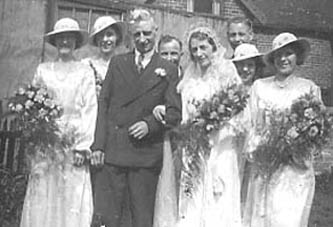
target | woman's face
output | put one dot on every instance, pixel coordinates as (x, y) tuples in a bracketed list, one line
[(246, 70), (106, 40), (65, 43), (202, 52), (285, 61)]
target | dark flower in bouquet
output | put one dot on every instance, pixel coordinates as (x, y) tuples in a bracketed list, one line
[(193, 139), (269, 144), (36, 117)]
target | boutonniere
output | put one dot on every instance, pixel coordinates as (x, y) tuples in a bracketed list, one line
[(160, 72)]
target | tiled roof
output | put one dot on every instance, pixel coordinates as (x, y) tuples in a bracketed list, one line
[(305, 14)]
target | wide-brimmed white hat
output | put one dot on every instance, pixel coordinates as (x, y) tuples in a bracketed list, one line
[(67, 25), (301, 46), (104, 22), (246, 51)]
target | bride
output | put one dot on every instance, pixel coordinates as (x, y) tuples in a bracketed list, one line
[(216, 201)]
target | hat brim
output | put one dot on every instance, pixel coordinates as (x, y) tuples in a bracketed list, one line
[(302, 44), (81, 34), (119, 24), (242, 58)]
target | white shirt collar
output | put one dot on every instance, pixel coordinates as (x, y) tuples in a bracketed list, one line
[(146, 57)]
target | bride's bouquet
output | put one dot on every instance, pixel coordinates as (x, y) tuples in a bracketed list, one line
[(293, 137), (217, 111), (36, 115), (193, 140)]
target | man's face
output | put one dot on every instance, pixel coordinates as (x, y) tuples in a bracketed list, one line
[(239, 33), (171, 51), (144, 35)]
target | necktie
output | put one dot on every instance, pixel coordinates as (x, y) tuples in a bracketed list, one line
[(139, 63)]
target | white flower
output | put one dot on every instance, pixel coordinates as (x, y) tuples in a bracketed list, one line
[(21, 91), (49, 103), (292, 133), (42, 112), (54, 113), (39, 98), (160, 72), (309, 113), (30, 94), (19, 107), (28, 104)]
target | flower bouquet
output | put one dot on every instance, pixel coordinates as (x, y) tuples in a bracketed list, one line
[(310, 129), (36, 117), (222, 107), (192, 139), (292, 137), (268, 144)]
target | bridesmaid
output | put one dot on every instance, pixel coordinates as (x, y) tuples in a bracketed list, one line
[(60, 196), (287, 201), (107, 34), (249, 64)]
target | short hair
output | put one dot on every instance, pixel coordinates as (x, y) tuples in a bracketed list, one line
[(237, 20), (168, 39), (139, 15)]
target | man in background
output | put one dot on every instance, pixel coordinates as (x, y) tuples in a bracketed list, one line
[(239, 30), (169, 48)]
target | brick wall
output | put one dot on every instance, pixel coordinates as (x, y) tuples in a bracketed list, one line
[(174, 4), (232, 8)]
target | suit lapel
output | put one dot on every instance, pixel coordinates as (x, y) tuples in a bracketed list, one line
[(129, 73), (149, 78), (144, 81)]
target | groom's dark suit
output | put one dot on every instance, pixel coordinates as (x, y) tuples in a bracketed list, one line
[(128, 97)]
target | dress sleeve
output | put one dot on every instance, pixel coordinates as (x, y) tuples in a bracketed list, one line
[(317, 92), (228, 73), (37, 79), (88, 112), (251, 114)]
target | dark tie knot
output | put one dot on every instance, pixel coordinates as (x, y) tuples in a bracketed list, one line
[(139, 63)]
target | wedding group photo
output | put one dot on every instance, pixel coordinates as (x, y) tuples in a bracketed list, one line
[(166, 113)]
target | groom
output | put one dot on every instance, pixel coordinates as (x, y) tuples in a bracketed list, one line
[(127, 133)]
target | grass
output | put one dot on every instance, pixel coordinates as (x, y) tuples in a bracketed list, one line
[(322, 207)]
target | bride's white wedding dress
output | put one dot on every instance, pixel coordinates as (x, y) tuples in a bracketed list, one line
[(216, 202)]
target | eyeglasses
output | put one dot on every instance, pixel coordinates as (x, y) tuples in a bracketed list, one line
[(144, 33)]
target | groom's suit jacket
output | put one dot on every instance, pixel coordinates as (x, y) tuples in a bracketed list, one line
[(127, 97)]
